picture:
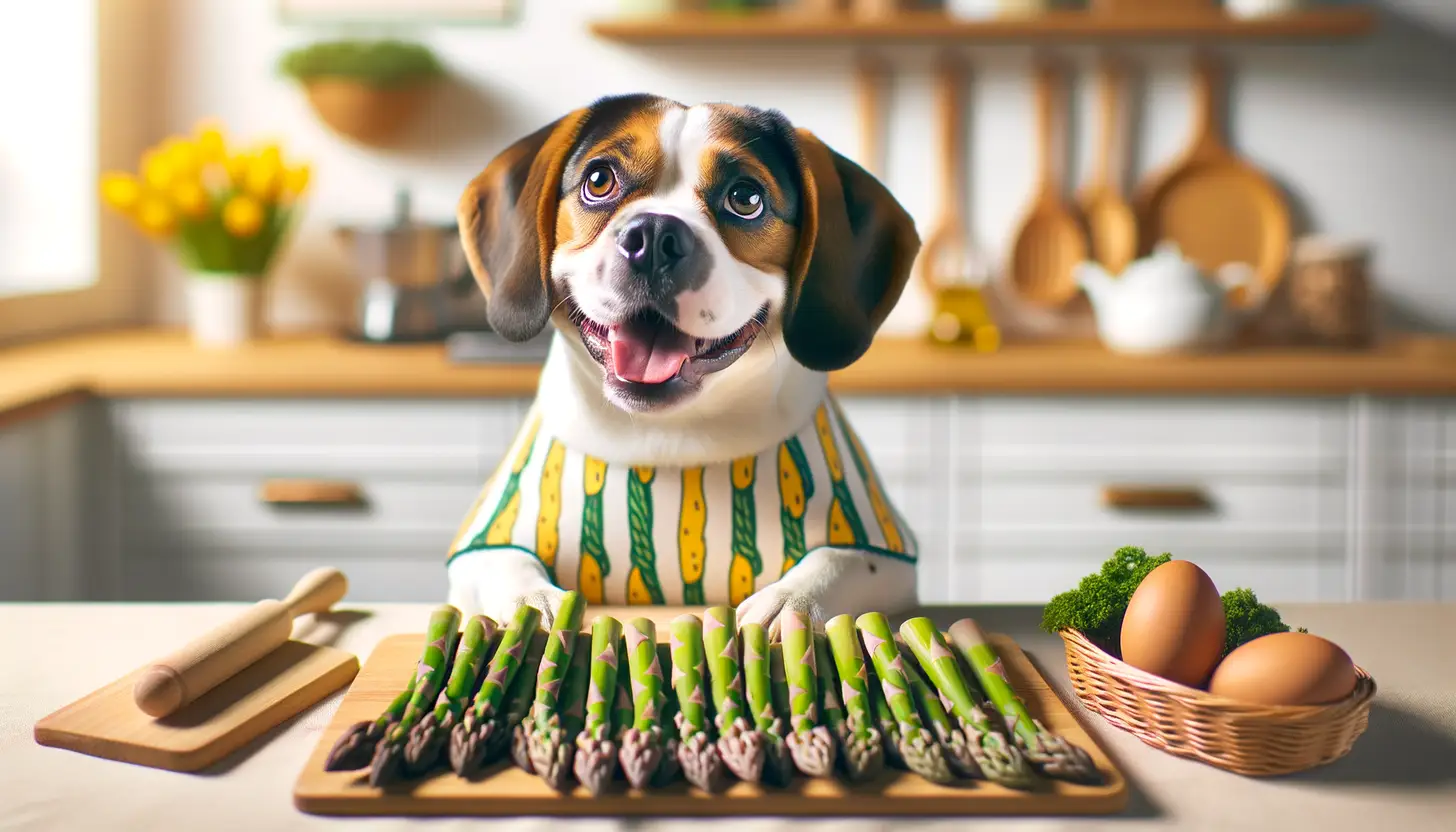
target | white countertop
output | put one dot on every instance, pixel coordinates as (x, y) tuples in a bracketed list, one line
[(1401, 774)]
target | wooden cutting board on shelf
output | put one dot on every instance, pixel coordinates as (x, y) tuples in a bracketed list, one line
[(507, 791), (107, 723)]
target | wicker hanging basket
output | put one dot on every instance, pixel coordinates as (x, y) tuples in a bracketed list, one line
[(1249, 739), (373, 116)]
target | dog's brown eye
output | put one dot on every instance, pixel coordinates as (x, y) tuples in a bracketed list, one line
[(744, 200), (599, 184)]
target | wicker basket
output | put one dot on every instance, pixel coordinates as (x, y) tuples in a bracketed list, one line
[(1253, 740)]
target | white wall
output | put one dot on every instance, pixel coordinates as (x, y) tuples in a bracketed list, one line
[(1363, 133)]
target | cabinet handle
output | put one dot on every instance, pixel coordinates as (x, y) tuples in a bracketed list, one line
[(1144, 497), (311, 493)]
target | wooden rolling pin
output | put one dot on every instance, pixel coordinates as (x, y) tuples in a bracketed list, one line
[(212, 658)]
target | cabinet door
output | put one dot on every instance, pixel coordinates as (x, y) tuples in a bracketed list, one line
[(20, 544), (1031, 518), (192, 476), (42, 508)]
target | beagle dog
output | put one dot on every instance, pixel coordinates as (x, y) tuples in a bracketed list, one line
[(704, 268)]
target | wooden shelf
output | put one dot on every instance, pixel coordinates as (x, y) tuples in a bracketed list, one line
[(1068, 26)]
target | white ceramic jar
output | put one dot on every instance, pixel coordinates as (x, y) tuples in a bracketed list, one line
[(224, 309)]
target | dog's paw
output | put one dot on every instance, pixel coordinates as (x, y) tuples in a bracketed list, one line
[(765, 606), (546, 600), (496, 584)]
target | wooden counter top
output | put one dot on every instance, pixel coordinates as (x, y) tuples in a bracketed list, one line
[(160, 363)]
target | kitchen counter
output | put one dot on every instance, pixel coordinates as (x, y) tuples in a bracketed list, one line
[(162, 363), (1401, 774)]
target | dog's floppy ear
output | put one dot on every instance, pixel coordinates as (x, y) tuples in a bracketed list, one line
[(507, 219), (856, 247)]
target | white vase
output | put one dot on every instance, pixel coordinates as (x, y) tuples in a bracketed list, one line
[(1261, 8), (224, 309)]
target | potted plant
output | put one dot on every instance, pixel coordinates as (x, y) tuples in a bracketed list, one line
[(223, 213), (365, 90)]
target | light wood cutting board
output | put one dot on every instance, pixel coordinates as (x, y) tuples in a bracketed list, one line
[(107, 723), (506, 790)]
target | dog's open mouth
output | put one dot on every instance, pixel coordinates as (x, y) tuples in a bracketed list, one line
[(647, 349)]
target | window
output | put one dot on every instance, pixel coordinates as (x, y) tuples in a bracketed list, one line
[(48, 149)]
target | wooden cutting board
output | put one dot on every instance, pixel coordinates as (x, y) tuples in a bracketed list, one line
[(506, 790), (107, 722)]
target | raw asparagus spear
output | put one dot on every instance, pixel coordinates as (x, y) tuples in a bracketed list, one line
[(642, 744), (830, 705), (550, 748), (917, 745), (469, 739), (355, 748), (429, 737), (998, 759), (667, 772), (697, 753), (810, 744), (889, 729), (567, 723), (739, 743), (623, 712), (1051, 754), (758, 676), (444, 629), (510, 731), (596, 748), (953, 745), (861, 743)]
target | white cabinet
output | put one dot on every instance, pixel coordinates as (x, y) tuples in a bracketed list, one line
[(187, 477), (1031, 472), (42, 510)]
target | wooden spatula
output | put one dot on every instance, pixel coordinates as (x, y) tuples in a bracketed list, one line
[(1111, 225), (947, 257), (1051, 240)]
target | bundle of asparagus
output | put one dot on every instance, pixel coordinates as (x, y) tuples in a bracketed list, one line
[(740, 745), (918, 747), (388, 762), (471, 738), (1051, 754), (697, 753), (596, 747), (973, 734), (428, 738), (860, 742), (550, 742), (811, 745), (762, 676)]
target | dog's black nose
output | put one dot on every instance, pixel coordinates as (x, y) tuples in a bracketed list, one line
[(655, 243)]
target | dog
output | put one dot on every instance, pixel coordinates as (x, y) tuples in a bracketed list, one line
[(705, 267)]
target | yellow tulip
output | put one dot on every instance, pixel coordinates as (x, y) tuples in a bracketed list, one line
[(263, 178), (157, 169), (190, 198), (237, 168), (184, 156), (121, 191), (242, 216), (295, 180), (155, 217), (271, 153), (210, 142)]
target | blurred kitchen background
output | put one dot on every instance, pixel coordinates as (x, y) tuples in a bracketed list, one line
[(1288, 423)]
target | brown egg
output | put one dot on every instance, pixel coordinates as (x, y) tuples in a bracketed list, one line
[(1174, 626), (1285, 669)]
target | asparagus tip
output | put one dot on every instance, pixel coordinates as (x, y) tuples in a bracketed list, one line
[(1057, 758), (667, 770), (863, 756), (778, 766), (595, 763), (355, 748), (742, 750), (551, 758), (468, 745), (641, 756), (924, 757), (521, 749), (701, 764), (813, 751), (387, 765)]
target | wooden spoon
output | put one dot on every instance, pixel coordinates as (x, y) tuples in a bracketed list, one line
[(1216, 207), (1111, 224), (1050, 241), (946, 255)]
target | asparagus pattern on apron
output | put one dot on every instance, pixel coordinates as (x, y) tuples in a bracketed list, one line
[(692, 543), (737, 525), (845, 528), (796, 489), (747, 564), (593, 565), (642, 583)]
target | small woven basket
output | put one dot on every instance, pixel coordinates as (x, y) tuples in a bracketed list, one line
[(1248, 739)]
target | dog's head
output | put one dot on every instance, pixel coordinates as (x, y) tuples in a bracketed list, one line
[(673, 240)]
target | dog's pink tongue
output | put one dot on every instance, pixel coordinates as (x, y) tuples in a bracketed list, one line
[(648, 354)]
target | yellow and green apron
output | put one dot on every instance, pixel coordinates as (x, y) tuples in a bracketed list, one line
[(709, 534)]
